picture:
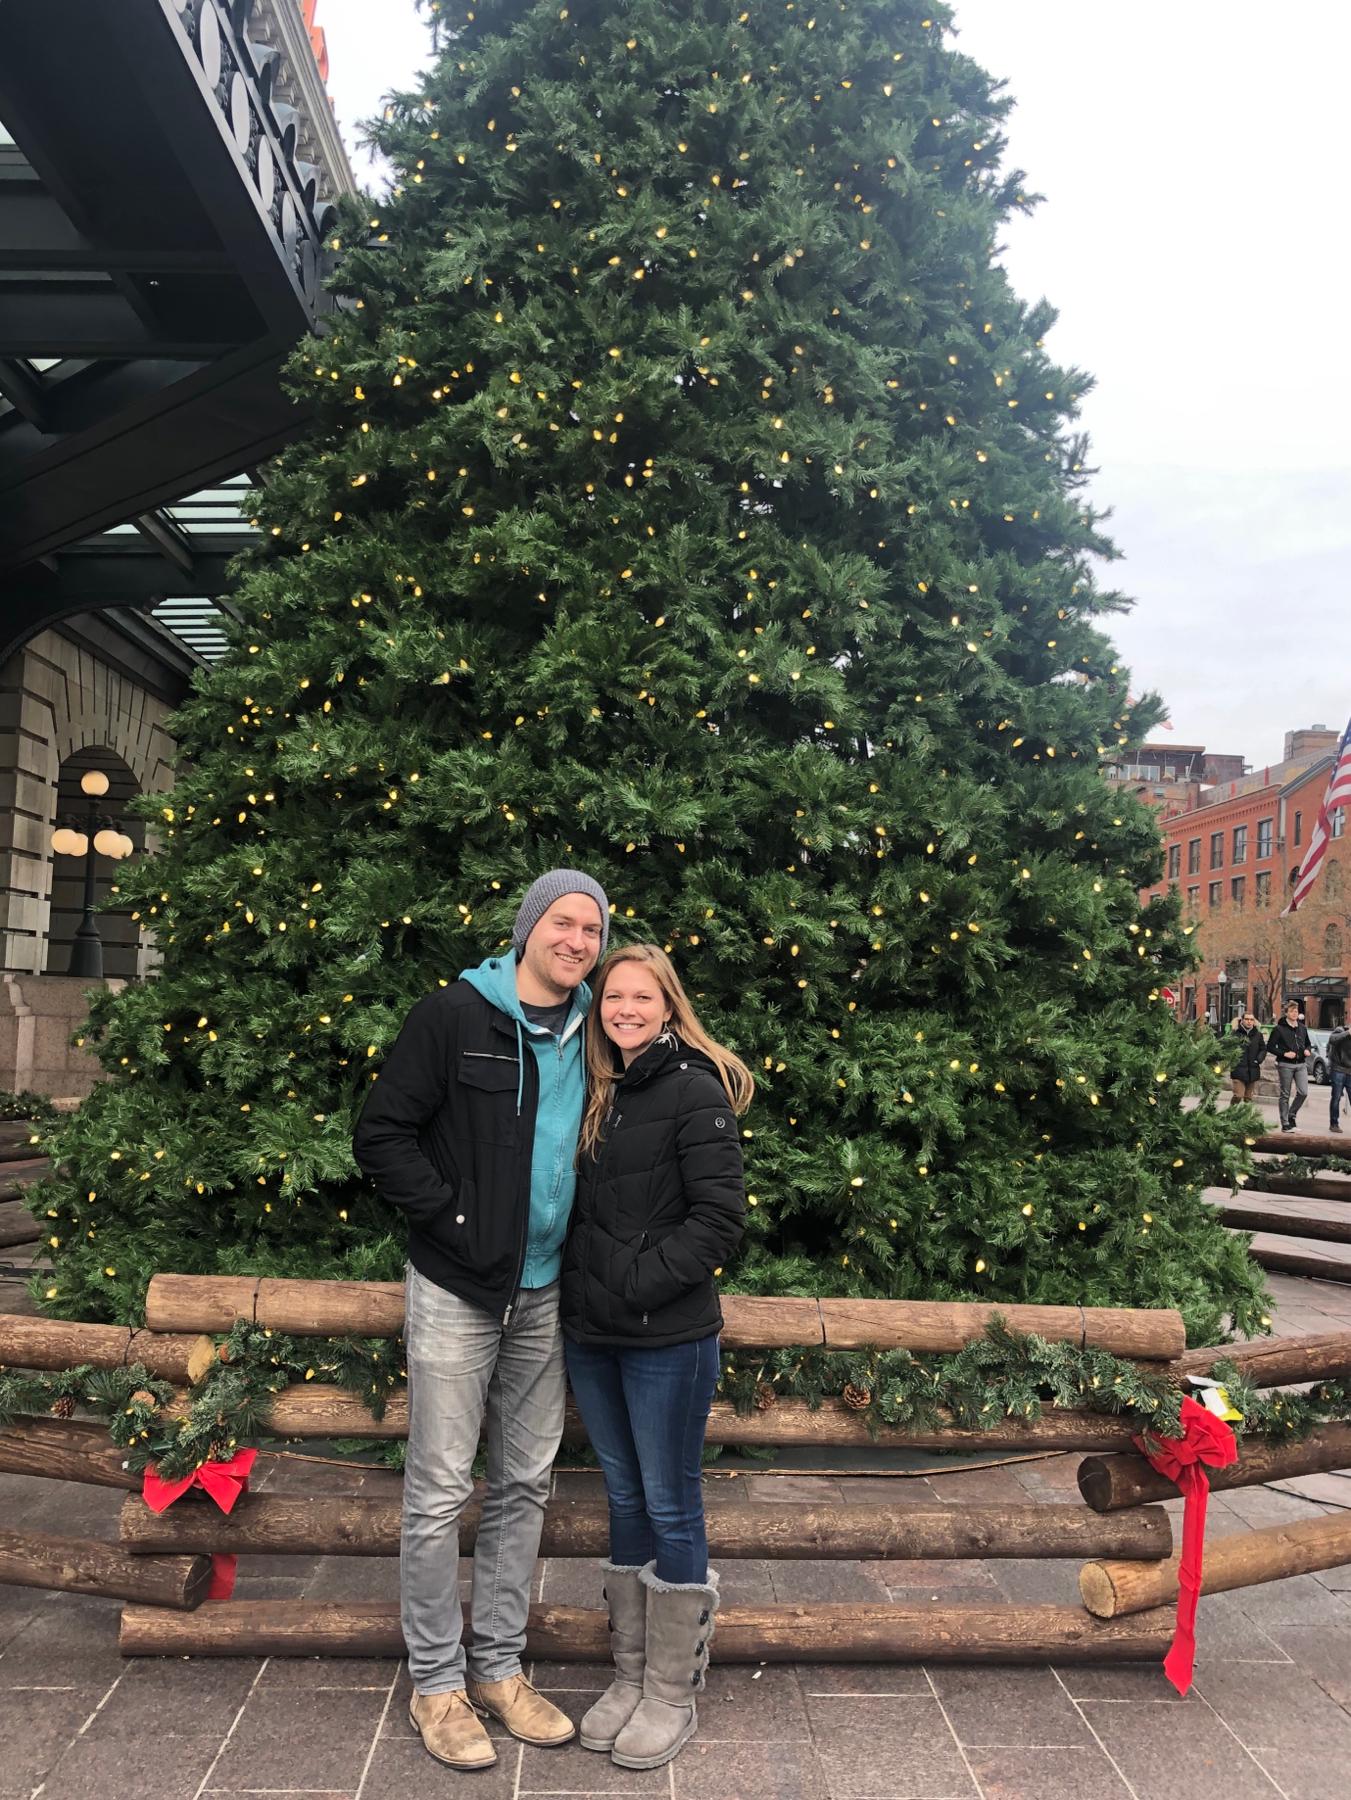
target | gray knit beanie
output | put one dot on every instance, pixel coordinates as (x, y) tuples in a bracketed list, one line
[(542, 894)]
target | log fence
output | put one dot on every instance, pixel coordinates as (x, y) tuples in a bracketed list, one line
[(160, 1563)]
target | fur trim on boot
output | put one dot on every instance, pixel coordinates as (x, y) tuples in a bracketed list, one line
[(680, 1619), (627, 1600)]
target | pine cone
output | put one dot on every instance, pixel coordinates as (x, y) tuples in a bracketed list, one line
[(765, 1397), (143, 1397), (857, 1399), (64, 1408)]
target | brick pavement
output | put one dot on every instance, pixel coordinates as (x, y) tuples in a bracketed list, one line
[(1270, 1714)]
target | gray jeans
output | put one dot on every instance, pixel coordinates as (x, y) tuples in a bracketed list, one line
[(1298, 1074), (461, 1362)]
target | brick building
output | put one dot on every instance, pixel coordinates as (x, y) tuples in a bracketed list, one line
[(1231, 856)]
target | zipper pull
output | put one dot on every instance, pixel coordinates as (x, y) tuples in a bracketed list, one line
[(506, 1316)]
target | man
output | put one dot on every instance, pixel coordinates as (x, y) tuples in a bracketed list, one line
[(1289, 1045), (1339, 1071), (1252, 1047), (471, 1131)]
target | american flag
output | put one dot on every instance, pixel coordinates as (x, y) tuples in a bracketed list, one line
[(1338, 795)]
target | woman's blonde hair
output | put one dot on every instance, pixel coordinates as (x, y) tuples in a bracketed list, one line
[(601, 1070)]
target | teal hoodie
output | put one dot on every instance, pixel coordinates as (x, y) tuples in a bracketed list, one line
[(558, 1120)]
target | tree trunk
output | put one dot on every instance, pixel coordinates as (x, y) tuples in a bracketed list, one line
[(1109, 1483), (1278, 1362), (375, 1309), (745, 1634), (293, 1525), (86, 1566), (1112, 1589), (37, 1343), (316, 1409)]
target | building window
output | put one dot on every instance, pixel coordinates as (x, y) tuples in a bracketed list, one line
[(1332, 879), (1339, 821), (1193, 899), (1240, 844), (1194, 856), (1174, 861), (1214, 895), (1217, 849), (1263, 838), (1236, 890), (1262, 888), (1332, 947), (1299, 827)]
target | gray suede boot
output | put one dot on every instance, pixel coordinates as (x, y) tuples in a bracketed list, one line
[(679, 1626), (627, 1599)]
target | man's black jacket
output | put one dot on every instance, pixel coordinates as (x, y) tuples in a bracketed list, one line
[(443, 1137), (659, 1207), (1289, 1037), (1253, 1047)]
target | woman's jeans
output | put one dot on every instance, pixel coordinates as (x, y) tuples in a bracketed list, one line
[(646, 1411), (462, 1363)]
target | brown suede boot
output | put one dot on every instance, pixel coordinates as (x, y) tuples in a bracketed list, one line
[(526, 1714), (680, 1619), (451, 1731), (627, 1600)]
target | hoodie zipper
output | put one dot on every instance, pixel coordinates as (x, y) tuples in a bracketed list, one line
[(525, 1216)]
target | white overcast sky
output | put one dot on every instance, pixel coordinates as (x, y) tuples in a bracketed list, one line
[(1192, 160)]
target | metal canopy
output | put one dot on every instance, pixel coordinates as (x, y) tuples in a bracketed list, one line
[(160, 252)]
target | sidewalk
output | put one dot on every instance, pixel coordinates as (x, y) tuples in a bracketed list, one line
[(1269, 1716)]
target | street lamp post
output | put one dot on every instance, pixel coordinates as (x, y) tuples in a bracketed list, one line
[(101, 837), (1222, 1004)]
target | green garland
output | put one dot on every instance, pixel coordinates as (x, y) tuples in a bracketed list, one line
[(1004, 1374)]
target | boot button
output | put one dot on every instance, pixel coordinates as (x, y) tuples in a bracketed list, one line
[(694, 1679), (459, 1218), (703, 1617)]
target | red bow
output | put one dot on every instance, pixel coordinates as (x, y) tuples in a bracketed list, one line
[(225, 1482), (1205, 1440)]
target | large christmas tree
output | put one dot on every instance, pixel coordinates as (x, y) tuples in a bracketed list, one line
[(689, 498)]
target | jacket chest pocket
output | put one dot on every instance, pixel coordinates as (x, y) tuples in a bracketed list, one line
[(488, 1084)]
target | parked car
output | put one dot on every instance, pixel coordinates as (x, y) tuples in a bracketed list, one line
[(1318, 1062)]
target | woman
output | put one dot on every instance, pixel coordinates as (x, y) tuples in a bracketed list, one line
[(1252, 1048), (660, 1206)]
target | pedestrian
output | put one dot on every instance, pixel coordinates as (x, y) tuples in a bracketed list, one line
[(1252, 1047), (1339, 1071), (471, 1131), (1289, 1045), (660, 1208)]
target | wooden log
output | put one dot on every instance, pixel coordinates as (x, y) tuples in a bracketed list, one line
[(338, 1525), (200, 1302), (745, 1634), (38, 1343), (1108, 1483), (1303, 1143), (940, 1325), (17, 1225), (14, 1139), (86, 1566), (1110, 1590), (64, 1450), (75, 1450), (1278, 1362), (317, 1409), (1252, 1215), (1297, 1257), (1307, 1187), (375, 1309)]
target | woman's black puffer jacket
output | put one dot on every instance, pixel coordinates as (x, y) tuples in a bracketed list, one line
[(660, 1206)]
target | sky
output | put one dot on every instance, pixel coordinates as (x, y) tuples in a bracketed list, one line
[(1192, 162)]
